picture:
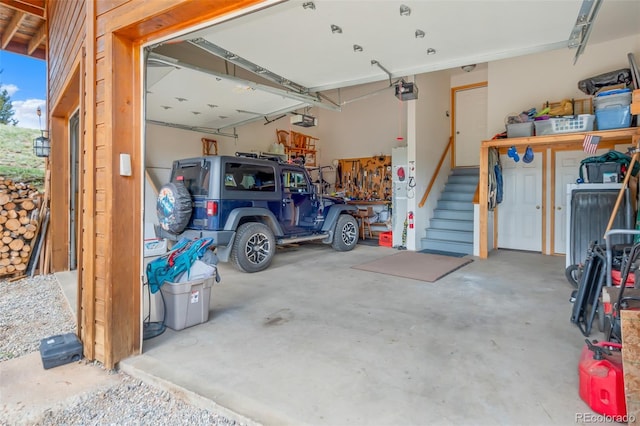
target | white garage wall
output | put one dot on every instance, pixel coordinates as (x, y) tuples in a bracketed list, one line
[(521, 83), (432, 136), (365, 127)]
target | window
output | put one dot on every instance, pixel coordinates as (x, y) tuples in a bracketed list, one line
[(249, 177), (295, 181), (195, 176)]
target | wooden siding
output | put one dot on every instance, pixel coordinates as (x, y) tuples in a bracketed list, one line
[(65, 49), (66, 20)]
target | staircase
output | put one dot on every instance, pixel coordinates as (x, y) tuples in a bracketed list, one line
[(452, 223)]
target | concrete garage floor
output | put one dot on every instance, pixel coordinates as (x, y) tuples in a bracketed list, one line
[(313, 341)]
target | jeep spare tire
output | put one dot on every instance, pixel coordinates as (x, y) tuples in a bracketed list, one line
[(173, 207)]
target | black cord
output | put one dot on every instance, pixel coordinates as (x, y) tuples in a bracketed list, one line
[(153, 329)]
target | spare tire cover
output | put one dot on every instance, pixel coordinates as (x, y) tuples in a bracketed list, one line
[(173, 207)]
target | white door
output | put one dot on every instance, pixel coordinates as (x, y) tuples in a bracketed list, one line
[(520, 213), (471, 125), (567, 171)]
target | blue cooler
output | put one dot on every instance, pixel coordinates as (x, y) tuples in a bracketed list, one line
[(613, 109)]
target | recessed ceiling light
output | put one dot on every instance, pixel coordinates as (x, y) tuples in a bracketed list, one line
[(309, 5), (405, 10), (357, 48), (165, 106), (431, 51), (212, 105), (336, 29), (181, 99), (223, 117), (419, 34), (196, 112)]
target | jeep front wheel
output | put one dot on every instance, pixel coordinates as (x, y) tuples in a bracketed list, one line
[(345, 236), (253, 247)]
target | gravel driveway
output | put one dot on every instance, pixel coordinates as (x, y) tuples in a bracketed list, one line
[(34, 308)]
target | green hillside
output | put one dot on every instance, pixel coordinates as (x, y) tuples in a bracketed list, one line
[(17, 161)]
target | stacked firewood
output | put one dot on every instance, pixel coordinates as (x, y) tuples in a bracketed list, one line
[(18, 225)]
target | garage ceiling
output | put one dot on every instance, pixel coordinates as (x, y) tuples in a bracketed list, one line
[(283, 56)]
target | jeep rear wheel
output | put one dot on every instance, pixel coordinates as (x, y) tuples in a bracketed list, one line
[(345, 236), (253, 247)]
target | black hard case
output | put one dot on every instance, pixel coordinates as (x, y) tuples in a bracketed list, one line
[(60, 349)]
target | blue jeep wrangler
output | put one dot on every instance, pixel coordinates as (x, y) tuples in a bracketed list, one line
[(249, 204)]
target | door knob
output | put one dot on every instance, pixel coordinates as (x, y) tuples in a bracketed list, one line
[(560, 208), (538, 207)]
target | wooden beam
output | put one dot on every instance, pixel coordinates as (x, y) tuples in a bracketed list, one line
[(564, 138), (484, 202), (631, 362), (21, 49), (87, 276), (37, 38), (543, 205), (12, 28), (30, 7)]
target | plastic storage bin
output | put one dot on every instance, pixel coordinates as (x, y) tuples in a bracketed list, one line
[(385, 239), (612, 97), (155, 247), (613, 117), (187, 304), (520, 130), (552, 126), (613, 109), (603, 172)]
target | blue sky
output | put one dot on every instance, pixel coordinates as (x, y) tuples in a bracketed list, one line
[(25, 79)]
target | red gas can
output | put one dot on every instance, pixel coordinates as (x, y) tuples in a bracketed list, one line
[(601, 378)]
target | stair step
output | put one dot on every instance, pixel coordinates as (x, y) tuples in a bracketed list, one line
[(466, 171), (464, 179), (450, 235), (455, 205), (450, 246), (457, 196), (458, 187), (453, 214), (452, 224)]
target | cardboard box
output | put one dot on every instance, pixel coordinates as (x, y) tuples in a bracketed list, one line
[(635, 102)]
